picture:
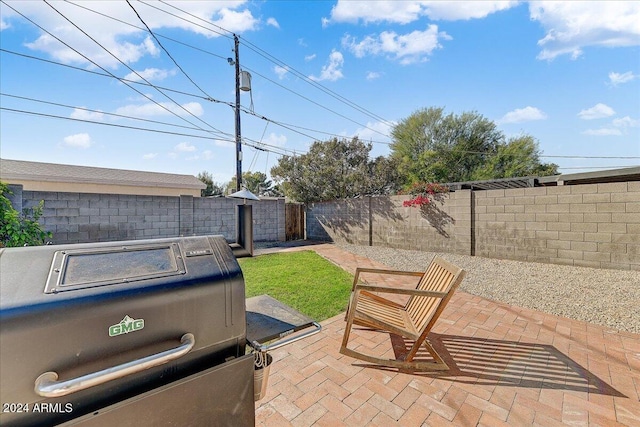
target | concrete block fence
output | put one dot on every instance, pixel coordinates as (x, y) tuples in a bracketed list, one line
[(86, 217), (591, 225)]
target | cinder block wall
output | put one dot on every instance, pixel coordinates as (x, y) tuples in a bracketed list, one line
[(443, 226), (85, 217), (592, 225)]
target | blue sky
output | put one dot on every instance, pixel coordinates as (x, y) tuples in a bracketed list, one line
[(567, 73)]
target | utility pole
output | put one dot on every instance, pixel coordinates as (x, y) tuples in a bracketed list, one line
[(237, 111)]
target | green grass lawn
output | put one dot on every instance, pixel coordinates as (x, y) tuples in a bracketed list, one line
[(303, 280)]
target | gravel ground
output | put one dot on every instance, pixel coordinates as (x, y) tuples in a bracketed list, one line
[(609, 298)]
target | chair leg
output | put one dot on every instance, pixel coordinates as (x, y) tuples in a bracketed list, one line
[(400, 364), (347, 329), (408, 363)]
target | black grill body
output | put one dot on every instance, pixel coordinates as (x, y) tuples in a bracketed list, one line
[(78, 310)]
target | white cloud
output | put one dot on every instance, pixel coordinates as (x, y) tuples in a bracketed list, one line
[(125, 52), (272, 22), (620, 127), (79, 140), (626, 122), (373, 131), (150, 74), (149, 156), (409, 11), (616, 79), (373, 75), (407, 48), (4, 25), (332, 71), (603, 132), (236, 22), (525, 114), (185, 147), (128, 43), (310, 57), (207, 154), (224, 143), (281, 71), (598, 111), (572, 25), (80, 114), (277, 140), (161, 109)]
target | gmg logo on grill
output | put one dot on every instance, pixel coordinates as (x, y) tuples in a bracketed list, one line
[(125, 326)]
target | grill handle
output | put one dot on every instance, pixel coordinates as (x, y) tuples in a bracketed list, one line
[(47, 385)]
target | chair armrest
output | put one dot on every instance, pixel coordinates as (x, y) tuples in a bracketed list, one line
[(360, 270), (401, 291)]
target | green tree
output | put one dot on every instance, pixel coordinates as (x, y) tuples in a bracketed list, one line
[(335, 169), (256, 182), (213, 188), (518, 157), (18, 229), (433, 147)]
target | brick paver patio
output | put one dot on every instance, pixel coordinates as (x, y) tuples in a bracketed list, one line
[(510, 367)]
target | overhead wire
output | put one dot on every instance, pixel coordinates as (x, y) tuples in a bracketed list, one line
[(117, 125), (254, 48), (245, 110), (128, 67), (246, 43), (245, 141), (312, 82), (123, 116), (112, 76), (164, 36), (166, 51), (94, 63), (277, 61), (248, 111)]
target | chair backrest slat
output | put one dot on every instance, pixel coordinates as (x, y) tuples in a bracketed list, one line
[(439, 277)]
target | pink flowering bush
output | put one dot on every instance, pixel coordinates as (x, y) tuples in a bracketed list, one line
[(424, 193)]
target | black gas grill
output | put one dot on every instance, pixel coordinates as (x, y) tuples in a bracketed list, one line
[(92, 334)]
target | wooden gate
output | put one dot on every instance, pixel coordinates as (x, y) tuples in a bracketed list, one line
[(294, 221)]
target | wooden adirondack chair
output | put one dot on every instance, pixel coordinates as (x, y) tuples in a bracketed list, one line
[(413, 320)]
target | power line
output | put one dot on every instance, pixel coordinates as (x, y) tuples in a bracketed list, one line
[(313, 83), (598, 167), (166, 51), (229, 35), (97, 65), (277, 61), (255, 72), (282, 124), (57, 104), (246, 141), (254, 48), (54, 116), (128, 67), (142, 29), (110, 75), (245, 110)]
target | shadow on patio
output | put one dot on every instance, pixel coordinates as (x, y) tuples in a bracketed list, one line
[(509, 366)]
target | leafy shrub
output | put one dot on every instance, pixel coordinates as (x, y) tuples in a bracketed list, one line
[(20, 229), (423, 193)]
